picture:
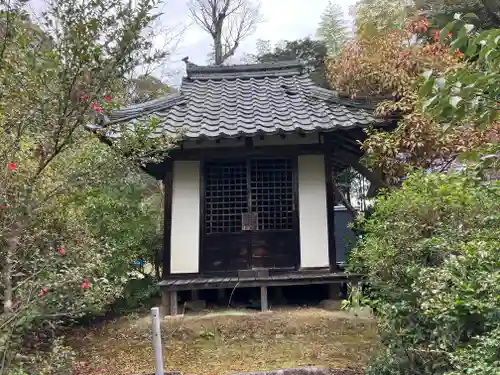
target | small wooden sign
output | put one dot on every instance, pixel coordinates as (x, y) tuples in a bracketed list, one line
[(249, 221)]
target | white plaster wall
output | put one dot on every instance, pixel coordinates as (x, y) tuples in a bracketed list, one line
[(312, 212), (185, 234)]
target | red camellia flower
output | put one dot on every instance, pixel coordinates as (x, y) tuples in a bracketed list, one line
[(62, 251), (96, 107), (11, 166), (436, 35), (85, 284), (107, 98), (45, 290), (458, 53), (40, 294)]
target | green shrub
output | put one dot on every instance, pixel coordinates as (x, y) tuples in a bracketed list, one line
[(431, 252), (137, 294)]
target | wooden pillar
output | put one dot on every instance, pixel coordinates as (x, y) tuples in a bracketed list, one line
[(195, 295), (165, 302), (167, 217), (169, 303), (173, 303), (264, 306), (330, 200), (334, 291)]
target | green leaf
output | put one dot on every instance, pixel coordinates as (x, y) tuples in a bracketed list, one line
[(470, 16), (471, 49), (441, 83), (454, 100), (428, 103), (426, 88), (459, 42), (443, 34)]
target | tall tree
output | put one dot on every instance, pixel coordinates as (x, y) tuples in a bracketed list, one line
[(392, 67), (374, 17), (227, 21), (332, 28), (312, 52), (486, 11), (468, 94), (148, 87)]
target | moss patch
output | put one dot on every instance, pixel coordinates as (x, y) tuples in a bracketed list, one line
[(219, 343)]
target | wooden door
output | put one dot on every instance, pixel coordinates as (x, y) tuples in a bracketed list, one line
[(274, 240), (249, 215)]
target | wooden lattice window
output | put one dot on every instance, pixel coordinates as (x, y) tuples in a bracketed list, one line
[(226, 189), (272, 193), (239, 191)]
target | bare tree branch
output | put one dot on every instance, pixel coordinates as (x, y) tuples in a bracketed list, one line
[(227, 21), (345, 201)]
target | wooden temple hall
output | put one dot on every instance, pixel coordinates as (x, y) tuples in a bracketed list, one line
[(250, 199)]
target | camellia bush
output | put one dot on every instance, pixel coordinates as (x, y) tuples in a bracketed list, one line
[(432, 257), (58, 72)]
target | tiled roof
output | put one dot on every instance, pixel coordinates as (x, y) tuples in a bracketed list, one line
[(245, 100)]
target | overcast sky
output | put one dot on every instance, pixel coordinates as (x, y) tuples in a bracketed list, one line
[(283, 19)]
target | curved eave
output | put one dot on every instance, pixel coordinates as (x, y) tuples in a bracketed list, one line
[(132, 112), (222, 132), (243, 134), (324, 111)]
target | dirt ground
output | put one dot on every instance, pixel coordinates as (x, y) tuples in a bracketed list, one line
[(231, 341)]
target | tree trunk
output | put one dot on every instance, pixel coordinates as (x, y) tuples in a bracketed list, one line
[(158, 262), (7, 280), (217, 37), (218, 48), (376, 182), (12, 244), (345, 201)]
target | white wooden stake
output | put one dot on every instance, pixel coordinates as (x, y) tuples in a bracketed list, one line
[(155, 314)]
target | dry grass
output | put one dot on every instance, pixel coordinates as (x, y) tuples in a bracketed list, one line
[(220, 343)]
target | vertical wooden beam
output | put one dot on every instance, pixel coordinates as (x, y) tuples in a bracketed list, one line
[(334, 291), (264, 305), (330, 199), (296, 210), (173, 303), (195, 295), (165, 301), (201, 218), (167, 217)]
